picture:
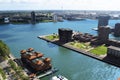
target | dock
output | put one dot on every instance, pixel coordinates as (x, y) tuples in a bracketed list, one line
[(52, 71), (100, 58)]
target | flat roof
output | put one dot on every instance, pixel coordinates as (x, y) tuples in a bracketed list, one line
[(115, 48)]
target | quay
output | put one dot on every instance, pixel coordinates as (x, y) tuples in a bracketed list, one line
[(52, 71), (100, 58)]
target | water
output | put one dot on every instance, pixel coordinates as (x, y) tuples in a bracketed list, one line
[(72, 65)]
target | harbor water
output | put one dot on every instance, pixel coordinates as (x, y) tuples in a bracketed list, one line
[(72, 65)]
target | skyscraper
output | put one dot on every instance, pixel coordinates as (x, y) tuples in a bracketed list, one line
[(117, 30), (103, 34), (103, 20), (33, 18), (65, 35), (55, 18)]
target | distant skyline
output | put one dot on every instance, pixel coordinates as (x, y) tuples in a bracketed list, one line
[(60, 5)]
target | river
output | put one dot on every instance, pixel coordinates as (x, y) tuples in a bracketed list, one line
[(71, 64)]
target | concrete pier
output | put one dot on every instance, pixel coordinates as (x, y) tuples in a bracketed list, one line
[(100, 58)]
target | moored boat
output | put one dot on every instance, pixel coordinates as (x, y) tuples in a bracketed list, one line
[(58, 77)]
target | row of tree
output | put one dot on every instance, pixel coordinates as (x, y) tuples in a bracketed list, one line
[(4, 52), (18, 70), (4, 49)]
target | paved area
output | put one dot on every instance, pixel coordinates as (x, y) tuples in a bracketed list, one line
[(4, 64), (1, 77)]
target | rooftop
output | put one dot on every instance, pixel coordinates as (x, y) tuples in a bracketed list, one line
[(115, 48)]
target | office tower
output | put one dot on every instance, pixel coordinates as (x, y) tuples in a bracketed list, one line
[(55, 18), (103, 21), (117, 30), (1, 20), (103, 34), (33, 18), (65, 35)]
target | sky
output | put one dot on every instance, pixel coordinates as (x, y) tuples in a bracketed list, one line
[(60, 5)]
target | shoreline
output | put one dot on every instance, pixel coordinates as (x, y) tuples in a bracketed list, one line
[(103, 59)]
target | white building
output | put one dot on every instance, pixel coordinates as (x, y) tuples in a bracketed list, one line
[(55, 18), (6, 20)]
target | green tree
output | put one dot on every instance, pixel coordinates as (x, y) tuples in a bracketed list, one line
[(4, 49), (12, 64), (2, 73)]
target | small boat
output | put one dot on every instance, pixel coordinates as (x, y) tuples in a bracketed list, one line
[(58, 77), (96, 29)]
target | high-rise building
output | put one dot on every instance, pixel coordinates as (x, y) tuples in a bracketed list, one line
[(4, 20), (103, 34), (65, 35), (1, 20), (33, 18), (117, 30), (103, 21), (55, 18)]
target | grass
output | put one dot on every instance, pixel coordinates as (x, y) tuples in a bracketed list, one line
[(100, 50), (52, 37), (80, 45)]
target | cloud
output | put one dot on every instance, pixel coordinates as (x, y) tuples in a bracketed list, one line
[(61, 4), (5, 1)]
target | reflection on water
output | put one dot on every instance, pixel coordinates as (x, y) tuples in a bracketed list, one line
[(51, 45)]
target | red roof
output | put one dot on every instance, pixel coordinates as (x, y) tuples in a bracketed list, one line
[(23, 51)]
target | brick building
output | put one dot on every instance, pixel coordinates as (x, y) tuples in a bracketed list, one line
[(65, 35)]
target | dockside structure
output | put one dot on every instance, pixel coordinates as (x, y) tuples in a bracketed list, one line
[(35, 60)]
